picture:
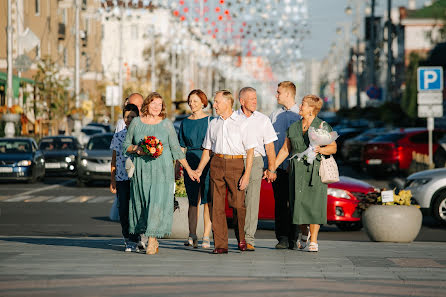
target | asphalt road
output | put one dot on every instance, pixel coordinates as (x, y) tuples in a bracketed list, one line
[(57, 207)]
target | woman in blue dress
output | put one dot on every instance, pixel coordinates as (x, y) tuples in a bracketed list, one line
[(191, 136)]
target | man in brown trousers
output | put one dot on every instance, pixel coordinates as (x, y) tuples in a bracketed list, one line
[(228, 139)]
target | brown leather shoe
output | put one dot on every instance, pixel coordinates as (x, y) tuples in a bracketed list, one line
[(220, 251), (250, 248), (242, 245)]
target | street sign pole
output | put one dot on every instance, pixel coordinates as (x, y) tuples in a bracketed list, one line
[(430, 128)]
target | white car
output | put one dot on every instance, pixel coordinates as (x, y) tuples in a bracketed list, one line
[(429, 190)]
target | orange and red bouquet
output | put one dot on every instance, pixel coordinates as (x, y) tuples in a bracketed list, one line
[(152, 146)]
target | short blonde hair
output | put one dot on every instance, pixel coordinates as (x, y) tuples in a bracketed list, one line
[(145, 106), (314, 101), (227, 95), (289, 86)]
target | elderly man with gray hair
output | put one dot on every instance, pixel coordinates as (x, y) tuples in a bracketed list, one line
[(260, 126)]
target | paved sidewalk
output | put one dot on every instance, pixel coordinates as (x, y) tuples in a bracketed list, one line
[(55, 266)]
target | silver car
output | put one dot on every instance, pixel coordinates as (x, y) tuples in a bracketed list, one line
[(429, 190)]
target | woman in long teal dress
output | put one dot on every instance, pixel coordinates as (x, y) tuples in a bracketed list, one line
[(152, 183), (191, 136), (308, 195)]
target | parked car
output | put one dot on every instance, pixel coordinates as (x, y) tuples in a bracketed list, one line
[(393, 151), (439, 157), (429, 191), (342, 202), (20, 159), (352, 148), (344, 135), (88, 131), (61, 154), (106, 127), (95, 161)]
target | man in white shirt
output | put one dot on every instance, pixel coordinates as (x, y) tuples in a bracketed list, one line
[(259, 125), (230, 142), (286, 231), (134, 98)]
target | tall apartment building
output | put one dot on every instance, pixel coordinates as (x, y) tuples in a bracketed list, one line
[(49, 27)]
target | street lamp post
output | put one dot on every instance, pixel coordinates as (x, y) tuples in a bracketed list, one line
[(77, 122), (9, 78), (389, 51)]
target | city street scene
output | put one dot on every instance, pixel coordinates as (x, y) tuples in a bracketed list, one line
[(222, 148)]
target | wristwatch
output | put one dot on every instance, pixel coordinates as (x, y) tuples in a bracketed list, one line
[(275, 171)]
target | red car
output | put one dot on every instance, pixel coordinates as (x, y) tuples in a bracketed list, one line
[(393, 151), (342, 202)]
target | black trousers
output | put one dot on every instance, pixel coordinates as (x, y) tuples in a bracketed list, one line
[(284, 227), (123, 192)]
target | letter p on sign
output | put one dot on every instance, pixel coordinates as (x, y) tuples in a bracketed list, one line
[(430, 79)]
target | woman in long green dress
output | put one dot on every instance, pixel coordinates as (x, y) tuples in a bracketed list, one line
[(191, 136), (152, 184), (308, 195)]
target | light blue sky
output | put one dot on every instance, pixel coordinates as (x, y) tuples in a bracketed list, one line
[(324, 15)]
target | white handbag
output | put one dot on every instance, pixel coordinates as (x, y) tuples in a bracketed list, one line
[(328, 170), (129, 167)]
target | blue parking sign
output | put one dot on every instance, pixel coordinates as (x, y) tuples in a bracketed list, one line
[(430, 78)]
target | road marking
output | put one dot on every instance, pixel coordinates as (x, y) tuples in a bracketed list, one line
[(17, 198), (47, 188), (38, 199), (60, 199), (101, 199), (4, 197), (80, 199)]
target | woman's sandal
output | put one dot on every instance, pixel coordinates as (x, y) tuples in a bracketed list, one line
[(188, 242), (313, 247), (152, 248), (303, 241), (206, 244), (192, 241)]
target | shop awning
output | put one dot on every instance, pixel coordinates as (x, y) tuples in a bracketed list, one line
[(15, 82)]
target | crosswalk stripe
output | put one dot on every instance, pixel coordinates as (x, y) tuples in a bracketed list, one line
[(17, 199), (4, 197), (80, 199), (101, 199), (38, 199), (60, 199)]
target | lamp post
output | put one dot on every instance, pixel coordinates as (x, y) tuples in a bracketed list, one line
[(389, 51), (9, 78)]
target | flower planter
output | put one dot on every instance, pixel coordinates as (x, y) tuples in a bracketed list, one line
[(392, 223), (11, 117)]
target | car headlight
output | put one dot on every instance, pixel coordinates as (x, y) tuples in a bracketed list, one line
[(338, 193), (24, 163), (417, 182), (84, 162), (70, 158)]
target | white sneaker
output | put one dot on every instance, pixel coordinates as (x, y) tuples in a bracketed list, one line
[(129, 246)]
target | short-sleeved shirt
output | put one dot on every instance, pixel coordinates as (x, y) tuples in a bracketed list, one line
[(120, 124), (261, 126), (116, 145), (230, 136), (282, 120)]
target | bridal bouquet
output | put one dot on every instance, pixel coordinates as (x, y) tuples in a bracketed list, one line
[(317, 137), (152, 146)]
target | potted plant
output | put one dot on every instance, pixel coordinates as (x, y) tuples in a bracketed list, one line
[(395, 221)]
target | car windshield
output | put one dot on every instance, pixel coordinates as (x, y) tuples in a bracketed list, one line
[(15, 146), (100, 143), (93, 131), (54, 144), (390, 137)]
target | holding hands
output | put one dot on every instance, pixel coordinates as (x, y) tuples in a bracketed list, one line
[(269, 175)]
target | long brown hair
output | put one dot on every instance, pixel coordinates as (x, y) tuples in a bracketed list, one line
[(145, 105)]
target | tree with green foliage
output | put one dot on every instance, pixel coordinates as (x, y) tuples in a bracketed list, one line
[(409, 100)]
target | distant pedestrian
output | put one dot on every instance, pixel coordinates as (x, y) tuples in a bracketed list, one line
[(308, 195), (152, 184), (259, 125), (119, 182), (286, 231), (191, 135), (228, 138)]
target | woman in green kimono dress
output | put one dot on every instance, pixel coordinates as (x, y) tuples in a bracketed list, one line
[(152, 184), (308, 195)]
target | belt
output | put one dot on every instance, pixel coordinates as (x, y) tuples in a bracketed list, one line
[(229, 156)]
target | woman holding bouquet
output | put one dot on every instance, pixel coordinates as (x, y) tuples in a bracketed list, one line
[(152, 184), (308, 195)]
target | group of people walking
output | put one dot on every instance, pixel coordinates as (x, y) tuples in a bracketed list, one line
[(226, 156)]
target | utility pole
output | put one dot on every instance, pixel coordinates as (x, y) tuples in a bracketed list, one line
[(389, 51), (9, 90), (120, 61), (372, 44), (152, 59), (77, 55)]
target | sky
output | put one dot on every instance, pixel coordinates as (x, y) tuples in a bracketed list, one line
[(326, 15)]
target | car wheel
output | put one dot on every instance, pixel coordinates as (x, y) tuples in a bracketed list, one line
[(349, 226), (439, 208), (81, 183)]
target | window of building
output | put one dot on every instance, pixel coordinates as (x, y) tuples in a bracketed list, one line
[(64, 16), (38, 51), (65, 57), (134, 31), (37, 8)]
